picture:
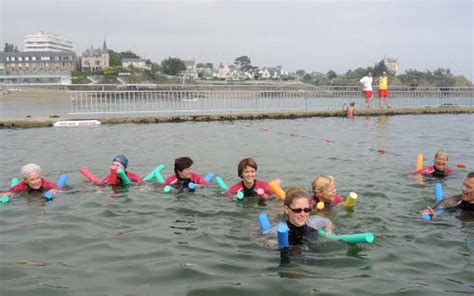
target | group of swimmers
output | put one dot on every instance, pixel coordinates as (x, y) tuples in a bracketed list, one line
[(298, 204)]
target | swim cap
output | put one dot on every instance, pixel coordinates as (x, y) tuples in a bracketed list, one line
[(122, 159)]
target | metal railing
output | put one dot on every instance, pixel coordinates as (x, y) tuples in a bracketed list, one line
[(192, 100)]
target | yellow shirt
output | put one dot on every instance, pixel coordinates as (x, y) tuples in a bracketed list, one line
[(383, 82)]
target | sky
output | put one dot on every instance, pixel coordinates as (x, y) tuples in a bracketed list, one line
[(310, 35)]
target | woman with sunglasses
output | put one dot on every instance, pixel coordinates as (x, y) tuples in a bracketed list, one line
[(301, 227)]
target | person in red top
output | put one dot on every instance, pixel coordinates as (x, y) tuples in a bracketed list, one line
[(33, 181), (439, 169), (120, 162), (250, 186), (324, 190), (183, 174)]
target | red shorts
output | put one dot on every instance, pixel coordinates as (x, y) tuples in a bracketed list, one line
[(368, 94), (383, 92)]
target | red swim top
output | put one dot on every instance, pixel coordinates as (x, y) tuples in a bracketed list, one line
[(239, 187), (195, 178), (23, 186), (337, 200)]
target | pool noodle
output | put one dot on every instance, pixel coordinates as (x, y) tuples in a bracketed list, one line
[(356, 238), (14, 182), (221, 183), (240, 195), (277, 189), (152, 174), (123, 176), (4, 199), (264, 222), (282, 230), (89, 176), (48, 195), (167, 188), (209, 177), (192, 185), (62, 181), (438, 192), (350, 200), (158, 177), (113, 177), (419, 162)]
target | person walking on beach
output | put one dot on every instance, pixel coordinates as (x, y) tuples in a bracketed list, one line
[(383, 89), (366, 82)]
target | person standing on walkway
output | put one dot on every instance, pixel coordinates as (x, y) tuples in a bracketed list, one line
[(383, 90), (366, 82)]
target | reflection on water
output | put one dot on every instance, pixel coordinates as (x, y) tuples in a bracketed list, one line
[(143, 241)]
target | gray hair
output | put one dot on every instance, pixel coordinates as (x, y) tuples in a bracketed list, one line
[(30, 168), (441, 153)]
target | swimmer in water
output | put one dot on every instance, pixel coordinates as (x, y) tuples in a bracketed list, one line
[(250, 186), (463, 202), (183, 174), (303, 228), (324, 190), (439, 169), (121, 162), (33, 181)]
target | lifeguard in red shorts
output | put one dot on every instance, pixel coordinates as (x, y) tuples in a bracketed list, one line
[(383, 89), (366, 82)]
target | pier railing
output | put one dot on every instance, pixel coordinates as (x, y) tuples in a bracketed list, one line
[(226, 99)]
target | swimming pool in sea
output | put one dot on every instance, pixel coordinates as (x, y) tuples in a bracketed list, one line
[(94, 241)]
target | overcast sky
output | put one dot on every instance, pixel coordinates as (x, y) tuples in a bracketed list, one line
[(310, 35)]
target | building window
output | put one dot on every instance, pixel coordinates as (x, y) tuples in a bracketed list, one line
[(56, 58), (27, 58), (20, 58), (46, 58), (8, 59), (33, 58)]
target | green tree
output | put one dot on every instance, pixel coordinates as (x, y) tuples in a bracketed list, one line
[(129, 55), (172, 66), (10, 47), (243, 63), (115, 59), (300, 73), (331, 74)]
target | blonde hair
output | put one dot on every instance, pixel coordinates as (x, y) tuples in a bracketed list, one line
[(441, 153), (321, 183), (29, 168)]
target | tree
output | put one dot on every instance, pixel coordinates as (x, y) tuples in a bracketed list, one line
[(129, 55), (10, 47), (115, 59), (243, 63), (172, 66), (331, 74), (300, 73)]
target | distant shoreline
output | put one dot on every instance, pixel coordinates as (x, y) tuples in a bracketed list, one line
[(48, 122)]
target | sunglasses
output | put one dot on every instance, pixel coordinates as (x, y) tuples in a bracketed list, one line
[(299, 210)]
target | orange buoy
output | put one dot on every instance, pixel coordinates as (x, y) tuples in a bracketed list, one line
[(381, 150), (461, 165)]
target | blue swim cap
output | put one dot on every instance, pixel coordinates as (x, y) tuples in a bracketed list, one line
[(122, 159)]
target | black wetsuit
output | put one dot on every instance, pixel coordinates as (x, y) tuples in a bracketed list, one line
[(300, 235), (182, 184), (454, 202), (438, 174), (249, 192)]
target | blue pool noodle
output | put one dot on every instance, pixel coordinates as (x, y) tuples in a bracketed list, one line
[(62, 181), (209, 177), (48, 195), (438, 192), (438, 197), (282, 230), (192, 185), (264, 222)]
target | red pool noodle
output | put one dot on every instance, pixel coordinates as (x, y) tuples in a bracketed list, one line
[(89, 175)]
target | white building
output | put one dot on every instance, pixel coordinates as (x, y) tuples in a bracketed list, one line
[(46, 42), (136, 62)]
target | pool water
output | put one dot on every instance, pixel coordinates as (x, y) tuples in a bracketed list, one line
[(142, 241)]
